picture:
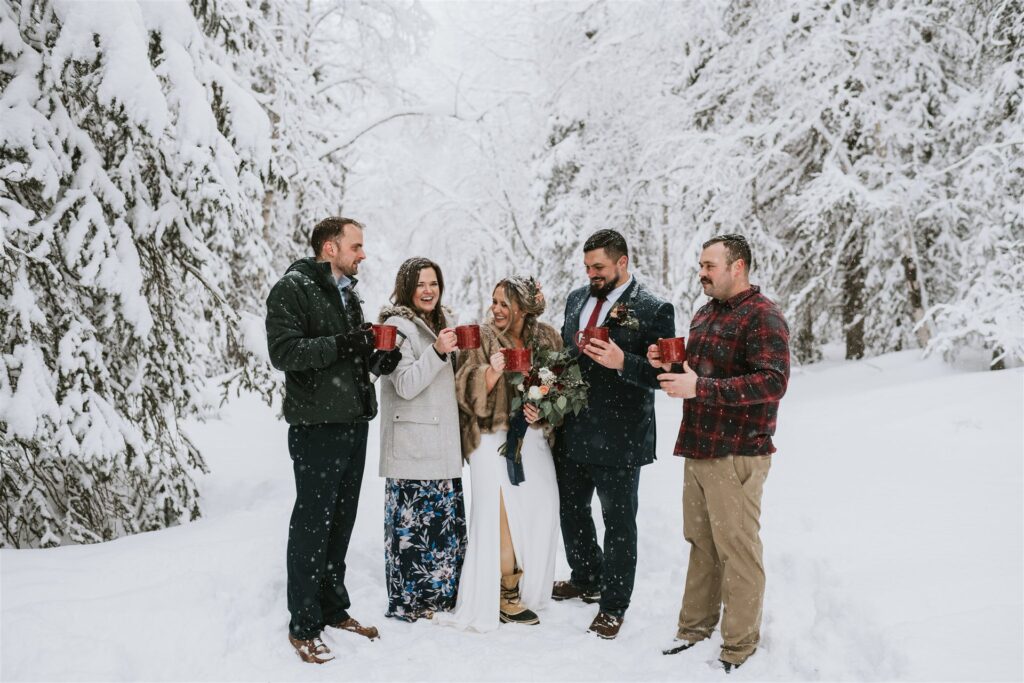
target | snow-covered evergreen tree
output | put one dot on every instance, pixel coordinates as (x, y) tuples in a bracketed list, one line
[(976, 243), (132, 177), (160, 164)]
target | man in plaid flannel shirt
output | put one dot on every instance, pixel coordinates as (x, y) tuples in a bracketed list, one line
[(739, 351)]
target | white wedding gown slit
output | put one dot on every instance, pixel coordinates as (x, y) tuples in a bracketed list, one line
[(532, 511)]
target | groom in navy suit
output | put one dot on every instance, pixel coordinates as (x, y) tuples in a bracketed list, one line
[(603, 448)]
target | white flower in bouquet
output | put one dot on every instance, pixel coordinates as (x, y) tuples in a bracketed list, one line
[(520, 388), (546, 376), (534, 394)]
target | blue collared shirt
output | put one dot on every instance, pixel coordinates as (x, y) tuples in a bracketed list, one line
[(345, 283)]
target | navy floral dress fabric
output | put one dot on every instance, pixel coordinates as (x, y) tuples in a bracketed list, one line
[(424, 545)]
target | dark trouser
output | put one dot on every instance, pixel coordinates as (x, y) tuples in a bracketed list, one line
[(328, 462), (613, 571)]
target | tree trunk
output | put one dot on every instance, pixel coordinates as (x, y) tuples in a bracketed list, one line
[(803, 342), (853, 298), (916, 300)]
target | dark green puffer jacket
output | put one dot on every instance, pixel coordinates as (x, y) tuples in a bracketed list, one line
[(304, 312)]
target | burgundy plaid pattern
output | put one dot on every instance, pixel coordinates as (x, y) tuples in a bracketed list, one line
[(739, 348)]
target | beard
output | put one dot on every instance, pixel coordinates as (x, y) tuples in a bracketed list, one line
[(350, 269), (598, 291), (603, 290)]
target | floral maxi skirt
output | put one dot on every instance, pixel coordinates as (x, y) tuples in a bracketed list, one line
[(424, 545)]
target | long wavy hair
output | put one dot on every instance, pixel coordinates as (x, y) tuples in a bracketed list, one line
[(405, 289), (522, 291)]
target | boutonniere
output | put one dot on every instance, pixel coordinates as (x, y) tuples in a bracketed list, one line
[(622, 316)]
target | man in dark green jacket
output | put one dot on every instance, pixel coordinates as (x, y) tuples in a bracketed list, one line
[(316, 334)]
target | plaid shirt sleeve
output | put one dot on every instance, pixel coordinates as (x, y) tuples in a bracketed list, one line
[(766, 348)]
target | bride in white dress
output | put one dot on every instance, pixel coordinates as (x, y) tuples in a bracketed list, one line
[(513, 530)]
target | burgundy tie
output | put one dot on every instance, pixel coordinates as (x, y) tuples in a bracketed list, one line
[(597, 312)]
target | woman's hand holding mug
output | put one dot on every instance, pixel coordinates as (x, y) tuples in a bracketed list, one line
[(498, 362), (446, 341)]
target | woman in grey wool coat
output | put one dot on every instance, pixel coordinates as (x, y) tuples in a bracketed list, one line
[(420, 452)]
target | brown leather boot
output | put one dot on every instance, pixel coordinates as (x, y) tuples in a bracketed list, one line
[(313, 650), (566, 590), (511, 610), (354, 626), (605, 625)]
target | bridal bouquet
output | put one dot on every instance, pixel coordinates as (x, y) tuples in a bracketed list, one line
[(554, 384)]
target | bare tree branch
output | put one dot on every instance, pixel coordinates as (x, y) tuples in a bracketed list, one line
[(338, 145)]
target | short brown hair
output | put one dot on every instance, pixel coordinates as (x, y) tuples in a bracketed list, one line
[(736, 247), (613, 243), (327, 229)]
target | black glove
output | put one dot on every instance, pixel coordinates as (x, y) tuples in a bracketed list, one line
[(384, 362), (357, 343)]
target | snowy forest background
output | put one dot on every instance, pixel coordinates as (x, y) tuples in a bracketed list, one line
[(162, 162)]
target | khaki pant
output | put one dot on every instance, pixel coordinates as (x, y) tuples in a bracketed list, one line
[(721, 522)]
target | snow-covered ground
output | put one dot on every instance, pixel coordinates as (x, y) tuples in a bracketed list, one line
[(892, 525)]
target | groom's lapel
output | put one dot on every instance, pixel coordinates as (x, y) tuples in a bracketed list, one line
[(617, 333), (572, 324), (627, 295)]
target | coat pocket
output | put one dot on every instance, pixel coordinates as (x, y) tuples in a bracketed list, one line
[(424, 415), (301, 385), (416, 432)]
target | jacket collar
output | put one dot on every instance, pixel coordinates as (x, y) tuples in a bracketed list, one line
[(628, 294), (319, 272), (410, 315)]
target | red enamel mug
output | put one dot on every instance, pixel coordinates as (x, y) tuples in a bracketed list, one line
[(468, 337), (384, 337), (517, 360), (672, 350), (584, 336)]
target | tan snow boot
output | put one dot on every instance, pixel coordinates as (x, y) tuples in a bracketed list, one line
[(511, 610)]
